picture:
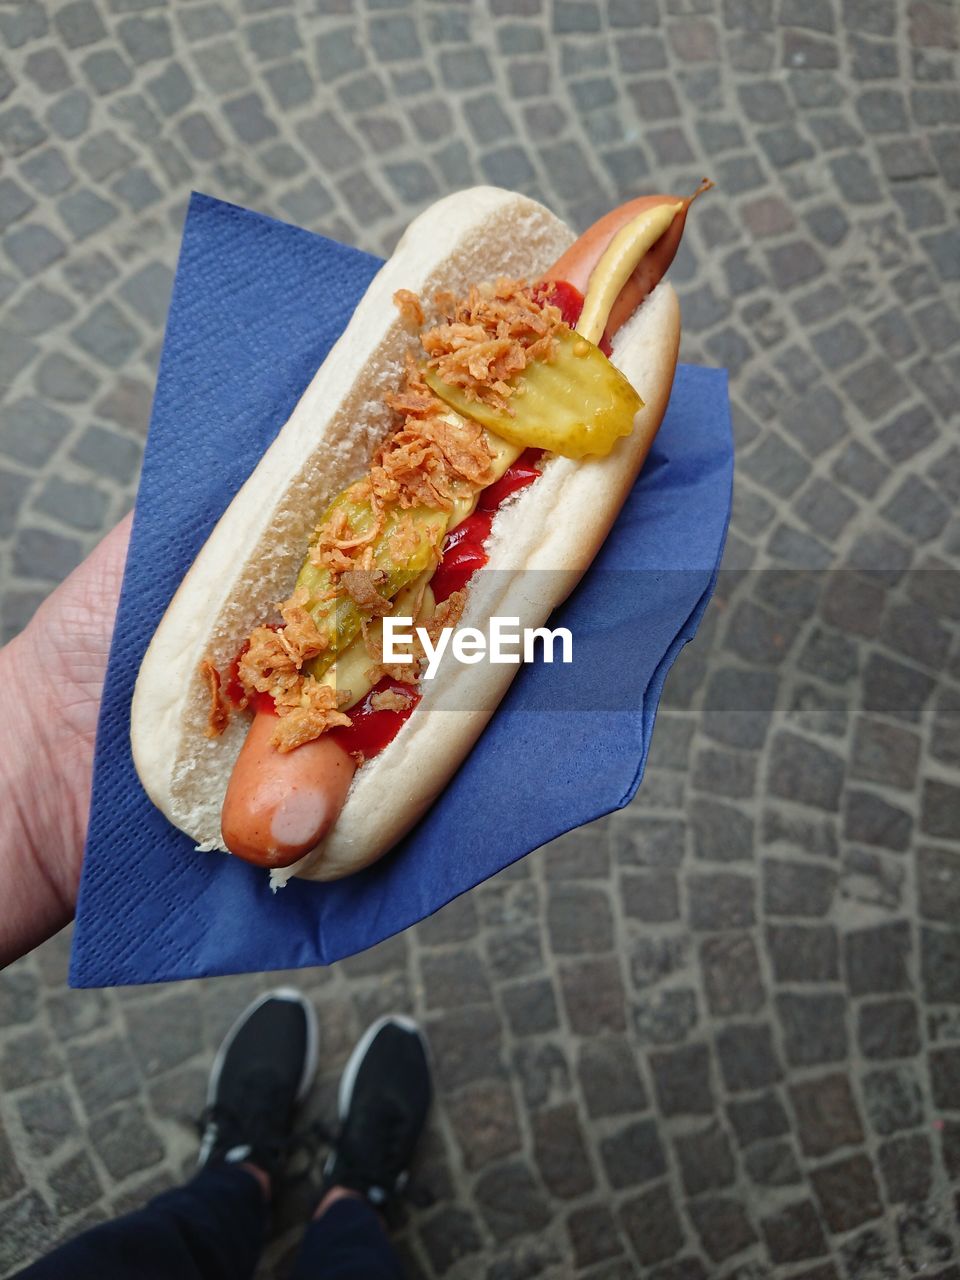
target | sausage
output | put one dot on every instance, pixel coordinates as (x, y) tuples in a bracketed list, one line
[(280, 805), (576, 265)]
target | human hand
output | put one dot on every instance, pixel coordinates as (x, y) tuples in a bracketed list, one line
[(51, 679)]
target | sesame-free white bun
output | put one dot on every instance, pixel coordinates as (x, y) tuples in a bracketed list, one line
[(252, 557)]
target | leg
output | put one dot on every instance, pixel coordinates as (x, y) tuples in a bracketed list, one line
[(383, 1102), (210, 1229), (347, 1242), (213, 1228)]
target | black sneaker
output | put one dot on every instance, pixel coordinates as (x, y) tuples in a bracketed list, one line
[(262, 1070), (383, 1104)]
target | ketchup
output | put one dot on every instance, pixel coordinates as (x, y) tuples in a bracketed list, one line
[(463, 552), (564, 295), (371, 730), (234, 689), (569, 299)]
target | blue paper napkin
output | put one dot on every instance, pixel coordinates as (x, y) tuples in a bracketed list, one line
[(256, 306)]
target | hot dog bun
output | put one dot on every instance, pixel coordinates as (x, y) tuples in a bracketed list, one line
[(254, 552)]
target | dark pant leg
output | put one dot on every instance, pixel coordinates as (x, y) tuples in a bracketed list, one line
[(212, 1228), (347, 1243)]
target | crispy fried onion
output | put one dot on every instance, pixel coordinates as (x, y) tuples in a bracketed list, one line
[(337, 547), (268, 665), (219, 715), (300, 635), (391, 699), (433, 456), (361, 586), (273, 657), (486, 339), (410, 308), (272, 664), (306, 712)]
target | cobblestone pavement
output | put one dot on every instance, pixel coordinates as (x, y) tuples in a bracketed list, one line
[(717, 1034)]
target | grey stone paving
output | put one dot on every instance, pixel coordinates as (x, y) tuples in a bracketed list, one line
[(717, 1034)]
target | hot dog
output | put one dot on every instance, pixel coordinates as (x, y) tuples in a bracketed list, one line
[(297, 808)]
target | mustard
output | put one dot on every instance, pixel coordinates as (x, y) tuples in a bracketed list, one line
[(617, 264)]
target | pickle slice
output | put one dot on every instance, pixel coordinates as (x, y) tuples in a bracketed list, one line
[(578, 403), (351, 673), (339, 617)]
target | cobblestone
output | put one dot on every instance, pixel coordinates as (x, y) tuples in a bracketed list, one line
[(889, 1030), (47, 172), (561, 1152), (826, 1114), (706, 1160), (755, 1119), (125, 1142), (75, 1184), (47, 1118), (14, 202), (33, 248), (847, 1193), (39, 310), (747, 1057), (795, 1234), (485, 1123), (84, 213), (814, 1028), (510, 1202), (713, 1005)]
